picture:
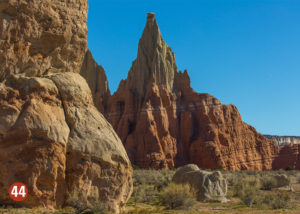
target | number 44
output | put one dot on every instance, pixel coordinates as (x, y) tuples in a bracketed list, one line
[(21, 192)]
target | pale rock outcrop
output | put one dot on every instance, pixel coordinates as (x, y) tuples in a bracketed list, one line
[(207, 185), (42, 37), (55, 141), (284, 140)]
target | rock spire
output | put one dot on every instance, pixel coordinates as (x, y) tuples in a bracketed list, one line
[(164, 123), (155, 62)]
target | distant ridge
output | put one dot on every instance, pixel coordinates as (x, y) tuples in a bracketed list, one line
[(284, 140)]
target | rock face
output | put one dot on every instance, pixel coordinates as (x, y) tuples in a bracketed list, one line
[(96, 78), (163, 123), (289, 152), (208, 185), (284, 140), (54, 140), (41, 37), (288, 156), (52, 137)]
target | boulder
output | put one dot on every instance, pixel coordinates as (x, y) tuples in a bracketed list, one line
[(55, 141), (207, 185)]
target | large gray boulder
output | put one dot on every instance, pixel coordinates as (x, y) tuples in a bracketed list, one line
[(208, 185)]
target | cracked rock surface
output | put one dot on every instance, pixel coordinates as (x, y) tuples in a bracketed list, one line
[(42, 37), (53, 139)]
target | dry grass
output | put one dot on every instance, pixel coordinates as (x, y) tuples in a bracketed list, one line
[(249, 192), (244, 188)]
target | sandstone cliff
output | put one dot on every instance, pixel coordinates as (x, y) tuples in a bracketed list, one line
[(40, 37), (163, 123), (55, 141), (52, 137), (97, 80)]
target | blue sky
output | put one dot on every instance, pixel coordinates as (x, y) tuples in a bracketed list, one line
[(244, 52)]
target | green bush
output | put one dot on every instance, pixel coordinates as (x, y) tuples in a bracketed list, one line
[(177, 196), (289, 168)]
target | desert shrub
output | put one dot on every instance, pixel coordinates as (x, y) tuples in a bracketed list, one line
[(249, 196), (144, 193), (242, 184), (268, 183), (177, 196), (98, 208), (148, 183), (289, 168), (234, 178), (250, 172), (158, 178), (247, 191), (82, 205), (279, 200)]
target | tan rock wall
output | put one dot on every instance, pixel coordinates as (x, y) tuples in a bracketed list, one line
[(41, 37), (55, 141)]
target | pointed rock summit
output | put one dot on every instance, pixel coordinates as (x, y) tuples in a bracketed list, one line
[(155, 62), (164, 123)]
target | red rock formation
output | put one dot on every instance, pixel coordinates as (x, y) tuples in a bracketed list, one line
[(288, 156), (163, 123), (97, 80)]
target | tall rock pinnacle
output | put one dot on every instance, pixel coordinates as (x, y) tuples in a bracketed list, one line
[(164, 123), (155, 60)]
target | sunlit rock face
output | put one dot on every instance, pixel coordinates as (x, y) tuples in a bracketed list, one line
[(54, 140), (52, 137), (164, 123), (42, 37)]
